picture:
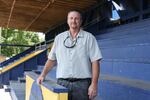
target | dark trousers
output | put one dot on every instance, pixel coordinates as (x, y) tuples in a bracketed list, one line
[(78, 88)]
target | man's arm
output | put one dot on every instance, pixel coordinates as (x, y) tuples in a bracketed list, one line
[(93, 89), (48, 66)]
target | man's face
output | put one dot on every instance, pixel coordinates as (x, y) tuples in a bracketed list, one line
[(74, 20)]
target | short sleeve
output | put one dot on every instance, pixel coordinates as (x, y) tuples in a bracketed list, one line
[(94, 50), (52, 54)]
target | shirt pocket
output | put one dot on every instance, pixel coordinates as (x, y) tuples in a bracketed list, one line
[(82, 51)]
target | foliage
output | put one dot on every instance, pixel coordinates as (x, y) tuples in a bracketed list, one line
[(13, 36)]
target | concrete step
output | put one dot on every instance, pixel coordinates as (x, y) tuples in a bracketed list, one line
[(21, 79), (17, 90)]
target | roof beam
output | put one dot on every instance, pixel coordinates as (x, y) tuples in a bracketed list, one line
[(11, 11), (39, 14)]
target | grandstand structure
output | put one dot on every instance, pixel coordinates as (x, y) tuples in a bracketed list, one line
[(124, 42)]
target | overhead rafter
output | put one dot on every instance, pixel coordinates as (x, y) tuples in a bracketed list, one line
[(11, 11), (39, 14)]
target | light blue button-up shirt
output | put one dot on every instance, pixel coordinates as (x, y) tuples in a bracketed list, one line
[(75, 62)]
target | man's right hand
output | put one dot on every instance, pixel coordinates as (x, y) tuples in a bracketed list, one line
[(47, 67), (40, 79)]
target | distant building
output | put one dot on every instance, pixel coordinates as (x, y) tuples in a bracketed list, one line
[(2, 58)]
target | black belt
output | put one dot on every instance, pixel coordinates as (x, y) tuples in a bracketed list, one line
[(75, 79)]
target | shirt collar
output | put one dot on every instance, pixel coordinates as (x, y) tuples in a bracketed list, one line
[(80, 34)]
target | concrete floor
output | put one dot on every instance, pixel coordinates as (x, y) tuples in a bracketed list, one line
[(4, 95)]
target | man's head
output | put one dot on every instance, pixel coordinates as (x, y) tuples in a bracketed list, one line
[(74, 20)]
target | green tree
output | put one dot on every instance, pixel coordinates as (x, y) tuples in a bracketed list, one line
[(14, 36)]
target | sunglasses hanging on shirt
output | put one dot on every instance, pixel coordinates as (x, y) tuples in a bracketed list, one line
[(68, 43)]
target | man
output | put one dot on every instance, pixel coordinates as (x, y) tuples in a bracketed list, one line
[(78, 56)]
